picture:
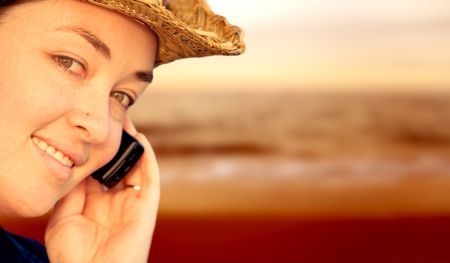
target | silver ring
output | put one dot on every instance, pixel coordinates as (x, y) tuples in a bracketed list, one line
[(134, 187)]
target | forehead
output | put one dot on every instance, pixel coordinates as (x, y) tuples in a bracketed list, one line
[(43, 18)]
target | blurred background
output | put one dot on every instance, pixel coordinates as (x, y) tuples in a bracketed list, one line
[(327, 141)]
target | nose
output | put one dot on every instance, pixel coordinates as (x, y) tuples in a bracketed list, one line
[(90, 116)]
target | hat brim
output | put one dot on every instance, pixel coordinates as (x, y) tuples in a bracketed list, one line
[(193, 31)]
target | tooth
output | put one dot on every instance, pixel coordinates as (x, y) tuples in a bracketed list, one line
[(65, 161), (42, 145), (58, 155), (68, 162), (50, 150)]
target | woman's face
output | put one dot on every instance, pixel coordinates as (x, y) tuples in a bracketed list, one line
[(67, 72)]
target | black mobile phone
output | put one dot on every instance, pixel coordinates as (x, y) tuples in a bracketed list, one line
[(130, 151)]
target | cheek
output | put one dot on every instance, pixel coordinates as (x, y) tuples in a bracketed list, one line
[(30, 109), (29, 95), (113, 140), (101, 154), (26, 90), (116, 111)]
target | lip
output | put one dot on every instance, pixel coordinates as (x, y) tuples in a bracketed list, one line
[(55, 168), (66, 150)]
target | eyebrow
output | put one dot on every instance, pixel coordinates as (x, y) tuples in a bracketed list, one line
[(146, 76), (90, 37), (100, 46)]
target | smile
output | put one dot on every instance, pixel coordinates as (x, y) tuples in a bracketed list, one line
[(54, 153)]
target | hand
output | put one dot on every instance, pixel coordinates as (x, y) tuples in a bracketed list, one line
[(93, 225)]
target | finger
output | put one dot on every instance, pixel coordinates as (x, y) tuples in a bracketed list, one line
[(129, 126), (132, 181), (134, 176), (120, 186), (148, 168), (94, 187), (71, 204)]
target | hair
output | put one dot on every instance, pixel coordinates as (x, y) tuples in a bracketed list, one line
[(6, 4)]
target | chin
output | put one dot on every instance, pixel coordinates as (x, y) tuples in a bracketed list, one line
[(28, 208), (35, 212)]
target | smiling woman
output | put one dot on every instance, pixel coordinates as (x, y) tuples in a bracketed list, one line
[(66, 84)]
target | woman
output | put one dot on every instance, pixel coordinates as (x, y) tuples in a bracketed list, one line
[(69, 70)]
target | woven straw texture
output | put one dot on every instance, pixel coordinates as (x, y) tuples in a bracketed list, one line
[(186, 28)]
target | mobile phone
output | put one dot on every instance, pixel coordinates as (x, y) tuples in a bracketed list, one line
[(130, 151)]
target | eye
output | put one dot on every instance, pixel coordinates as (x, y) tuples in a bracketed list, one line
[(123, 98), (71, 65)]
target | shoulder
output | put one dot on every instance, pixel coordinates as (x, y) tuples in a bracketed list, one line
[(14, 248)]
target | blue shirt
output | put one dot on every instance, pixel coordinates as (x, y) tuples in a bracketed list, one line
[(14, 248)]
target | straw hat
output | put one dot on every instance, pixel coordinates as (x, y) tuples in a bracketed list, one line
[(186, 28)]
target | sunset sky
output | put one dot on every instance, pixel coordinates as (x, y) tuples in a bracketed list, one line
[(327, 44)]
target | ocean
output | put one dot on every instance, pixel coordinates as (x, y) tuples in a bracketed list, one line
[(293, 153)]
